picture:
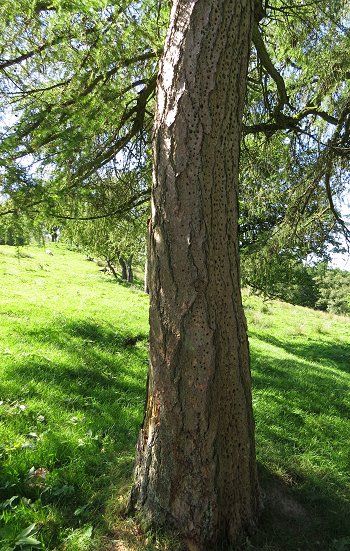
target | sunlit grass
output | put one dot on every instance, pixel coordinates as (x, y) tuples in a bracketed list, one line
[(73, 349)]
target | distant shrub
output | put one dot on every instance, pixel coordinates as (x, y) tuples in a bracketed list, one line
[(9, 236), (334, 291), (280, 276)]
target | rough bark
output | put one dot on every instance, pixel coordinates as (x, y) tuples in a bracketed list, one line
[(195, 468), (146, 283)]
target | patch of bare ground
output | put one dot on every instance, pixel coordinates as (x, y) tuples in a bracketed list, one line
[(126, 538), (116, 545)]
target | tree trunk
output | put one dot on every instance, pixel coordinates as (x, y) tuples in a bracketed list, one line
[(195, 468), (146, 284), (123, 267), (112, 269), (130, 271)]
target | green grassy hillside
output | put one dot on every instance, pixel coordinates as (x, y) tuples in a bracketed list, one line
[(73, 350), (301, 382)]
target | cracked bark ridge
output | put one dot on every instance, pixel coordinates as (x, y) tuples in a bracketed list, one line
[(195, 468)]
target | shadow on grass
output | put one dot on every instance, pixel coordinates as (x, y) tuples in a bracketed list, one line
[(137, 282), (94, 395), (302, 414), (326, 353), (83, 409), (317, 378), (288, 522)]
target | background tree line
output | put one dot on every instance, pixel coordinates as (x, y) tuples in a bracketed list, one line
[(121, 244)]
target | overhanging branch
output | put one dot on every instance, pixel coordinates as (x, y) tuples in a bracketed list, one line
[(270, 68), (133, 202)]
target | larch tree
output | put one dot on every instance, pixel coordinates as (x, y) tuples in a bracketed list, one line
[(80, 78), (196, 467)]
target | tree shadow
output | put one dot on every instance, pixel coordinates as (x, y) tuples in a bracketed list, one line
[(288, 521), (326, 353), (302, 409), (84, 409), (317, 379)]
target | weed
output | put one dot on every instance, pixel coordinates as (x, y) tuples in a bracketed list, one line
[(298, 330)]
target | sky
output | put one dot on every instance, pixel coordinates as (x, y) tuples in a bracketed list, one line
[(341, 261)]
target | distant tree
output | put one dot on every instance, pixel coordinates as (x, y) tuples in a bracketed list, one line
[(280, 275), (12, 232), (19, 229), (54, 232), (117, 241), (110, 220), (334, 291)]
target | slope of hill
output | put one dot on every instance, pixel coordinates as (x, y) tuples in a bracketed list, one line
[(301, 381), (73, 347)]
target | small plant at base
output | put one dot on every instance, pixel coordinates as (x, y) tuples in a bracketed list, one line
[(25, 541)]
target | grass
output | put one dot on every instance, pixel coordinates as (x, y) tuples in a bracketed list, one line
[(73, 350), (73, 347), (301, 383)]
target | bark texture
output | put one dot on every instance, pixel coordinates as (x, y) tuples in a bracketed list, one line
[(195, 468)]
